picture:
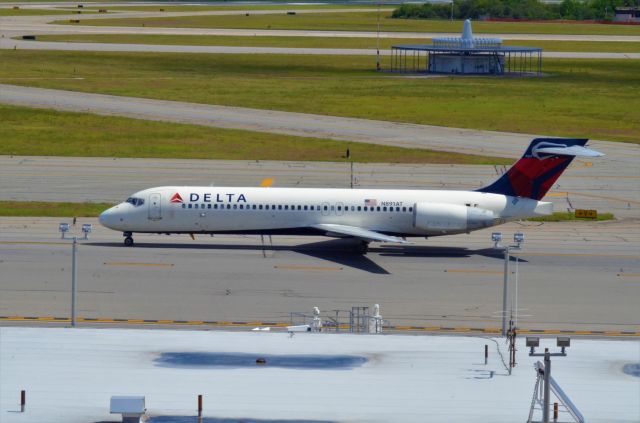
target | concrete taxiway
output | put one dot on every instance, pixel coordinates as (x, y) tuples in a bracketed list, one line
[(573, 276)]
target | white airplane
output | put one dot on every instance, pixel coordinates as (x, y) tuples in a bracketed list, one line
[(385, 215)]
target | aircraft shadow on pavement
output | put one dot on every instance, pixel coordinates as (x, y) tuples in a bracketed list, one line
[(339, 251)]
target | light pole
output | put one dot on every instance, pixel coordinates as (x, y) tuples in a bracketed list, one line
[(86, 230), (518, 238), (378, 41), (533, 342), (74, 275)]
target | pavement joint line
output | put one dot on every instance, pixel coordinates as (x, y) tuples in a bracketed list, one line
[(299, 267), (130, 263), (404, 328), (489, 272)]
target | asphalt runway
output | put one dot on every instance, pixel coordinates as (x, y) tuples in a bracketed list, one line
[(576, 276)]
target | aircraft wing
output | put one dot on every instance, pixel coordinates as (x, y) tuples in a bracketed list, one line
[(357, 232)]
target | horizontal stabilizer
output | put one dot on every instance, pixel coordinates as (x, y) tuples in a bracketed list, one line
[(356, 232), (574, 150), (540, 167)]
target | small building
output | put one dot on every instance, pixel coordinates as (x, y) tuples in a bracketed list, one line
[(627, 14), (466, 55)]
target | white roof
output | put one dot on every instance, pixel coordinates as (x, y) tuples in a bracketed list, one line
[(71, 374)]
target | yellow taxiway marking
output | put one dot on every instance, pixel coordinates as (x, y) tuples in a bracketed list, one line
[(266, 183), (581, 163), (488, 272), (618, 256), (603, 197), (283, 325), (294, 267), (131, 263)]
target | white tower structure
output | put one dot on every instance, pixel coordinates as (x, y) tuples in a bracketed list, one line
[(316, 326), (375, 321), (467, 35)]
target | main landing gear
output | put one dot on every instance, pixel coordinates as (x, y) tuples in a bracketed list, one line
[(128, 239)]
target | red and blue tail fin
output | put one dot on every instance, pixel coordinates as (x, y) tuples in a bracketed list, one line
[(540, 166)]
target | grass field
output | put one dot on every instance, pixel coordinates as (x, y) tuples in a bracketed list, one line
[(362, 21), (567, 216), (581, 98), (51, 209), (42, 132), (319, 42), (172, 8), (31, 12)]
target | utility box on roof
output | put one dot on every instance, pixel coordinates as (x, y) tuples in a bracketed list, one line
[(131, 408)]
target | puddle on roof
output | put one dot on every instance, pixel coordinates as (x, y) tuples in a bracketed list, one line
[(632, 369), (191, 419), (243, 360)]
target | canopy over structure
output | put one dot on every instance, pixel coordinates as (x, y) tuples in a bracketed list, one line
[(466, 55)]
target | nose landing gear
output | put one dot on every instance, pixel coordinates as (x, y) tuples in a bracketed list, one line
[(128, 239)]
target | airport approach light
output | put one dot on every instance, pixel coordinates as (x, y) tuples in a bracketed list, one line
[(518, 238), (63, 228), (86, 230), (533, 342), (562, 342)]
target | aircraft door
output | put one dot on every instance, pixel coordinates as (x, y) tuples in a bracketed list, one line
[(325, 209), (155, 212), (339, 209)]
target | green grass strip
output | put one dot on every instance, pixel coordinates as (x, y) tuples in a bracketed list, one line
[(570, 216), (577, 98), (43, 132), (361, 21), (284, 7), (51, 209), (320, 42), (32, 12)]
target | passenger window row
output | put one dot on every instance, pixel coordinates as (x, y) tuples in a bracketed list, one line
[(287, 207)]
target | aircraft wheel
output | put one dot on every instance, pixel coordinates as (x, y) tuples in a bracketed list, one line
[(128, 241)]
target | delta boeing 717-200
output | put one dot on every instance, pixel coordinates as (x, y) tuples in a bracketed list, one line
[(384, 215)]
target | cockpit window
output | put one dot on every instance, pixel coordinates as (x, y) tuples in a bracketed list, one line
[(135, 201)]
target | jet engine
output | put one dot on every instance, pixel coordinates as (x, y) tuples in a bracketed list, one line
[(446, 218)]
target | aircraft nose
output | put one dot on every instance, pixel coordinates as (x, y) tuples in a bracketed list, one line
[(107, 218)]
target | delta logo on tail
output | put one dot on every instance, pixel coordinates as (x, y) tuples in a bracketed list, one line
[(541, 165), (176, 198)]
